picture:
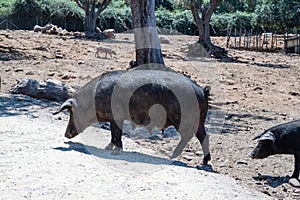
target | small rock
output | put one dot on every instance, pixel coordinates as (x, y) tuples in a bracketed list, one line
[(164, 40), (297, 191), (51, 73), (29, 73), (188, 158), (59, 56), (19, 70), (242, 162), (294, 93), (80, 62), (7, 70), (294, 182), (285, 187), (36, 63), (257, 88), (296, 195), (66, 77)]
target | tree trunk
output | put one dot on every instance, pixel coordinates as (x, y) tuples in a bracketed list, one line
[(204, 28), (91, 20), (92, 9), (147, 43)]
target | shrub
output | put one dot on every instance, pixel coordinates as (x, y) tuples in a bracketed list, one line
[(238, 20), (117, 16)]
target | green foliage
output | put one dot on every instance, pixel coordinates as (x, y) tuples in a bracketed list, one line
[(232, 6), (58, 8), (280, 14), (166, 4), (270, 15), (6, 7), (117, 15), (179, 20), (27, 13), (238, 20)]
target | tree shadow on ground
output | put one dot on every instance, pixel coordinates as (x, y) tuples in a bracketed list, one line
[(12, 105), (132, 157), (232, 122), (272, 181), (229, 59), (9, 53)]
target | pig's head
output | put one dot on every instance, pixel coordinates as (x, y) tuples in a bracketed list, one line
[(71, 128), (265, 147)]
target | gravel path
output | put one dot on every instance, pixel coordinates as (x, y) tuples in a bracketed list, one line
[(37, 162)]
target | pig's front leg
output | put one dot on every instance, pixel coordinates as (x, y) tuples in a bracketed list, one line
[(297, 166)]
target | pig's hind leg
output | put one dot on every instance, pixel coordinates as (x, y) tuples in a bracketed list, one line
[(116, 133), (204, 140), (185, 138)]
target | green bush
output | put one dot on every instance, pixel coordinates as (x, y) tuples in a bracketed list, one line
[(6, 7), (27, 13), (238, 20), (117, 16), (279, 15), (179, 20)]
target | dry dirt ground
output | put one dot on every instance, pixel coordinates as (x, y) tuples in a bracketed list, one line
[(256, 91)]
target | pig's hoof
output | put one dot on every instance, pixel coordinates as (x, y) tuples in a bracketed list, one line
[(117, 151), (110, 146), (206, 159)]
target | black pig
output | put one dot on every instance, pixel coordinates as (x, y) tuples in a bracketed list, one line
[(281, 139), (94, 102)]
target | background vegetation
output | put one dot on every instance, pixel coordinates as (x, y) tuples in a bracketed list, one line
[(258, 15)]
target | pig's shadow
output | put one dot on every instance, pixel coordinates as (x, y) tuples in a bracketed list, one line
[(272, 181), (132, 157)]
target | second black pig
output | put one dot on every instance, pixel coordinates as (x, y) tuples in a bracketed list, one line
[(281, 139)]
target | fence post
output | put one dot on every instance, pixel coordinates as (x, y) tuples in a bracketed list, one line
[(235, 37), (240, 40), (228, 36)]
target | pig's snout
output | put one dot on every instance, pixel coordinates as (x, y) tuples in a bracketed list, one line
[(251, 154)]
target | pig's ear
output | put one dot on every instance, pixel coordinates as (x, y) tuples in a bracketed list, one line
[(66, 105), (267, 136), (258, 136)]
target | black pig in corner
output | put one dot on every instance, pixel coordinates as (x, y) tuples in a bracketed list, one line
[(281, 139)]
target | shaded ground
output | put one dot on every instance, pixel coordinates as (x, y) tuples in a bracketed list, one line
[(256, 92)]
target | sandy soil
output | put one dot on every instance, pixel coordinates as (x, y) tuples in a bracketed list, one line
[(39, 163), (255, 92)]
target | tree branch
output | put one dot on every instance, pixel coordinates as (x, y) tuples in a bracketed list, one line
[(194, 8), (102, 6), (79, 4), (210, 10)]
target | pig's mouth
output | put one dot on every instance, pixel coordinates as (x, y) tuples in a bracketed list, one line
[(253, 156)]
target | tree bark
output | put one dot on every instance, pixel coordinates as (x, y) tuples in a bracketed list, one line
[(92, 10), (147, 43), (202, 24)]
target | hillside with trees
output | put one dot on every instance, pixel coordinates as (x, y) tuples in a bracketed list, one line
[(259, 15)]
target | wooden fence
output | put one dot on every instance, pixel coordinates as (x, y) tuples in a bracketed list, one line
[(270, 42), (292, 43)]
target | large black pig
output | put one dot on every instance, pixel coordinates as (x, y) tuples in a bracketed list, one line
[(143, 92), (281, 139)]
